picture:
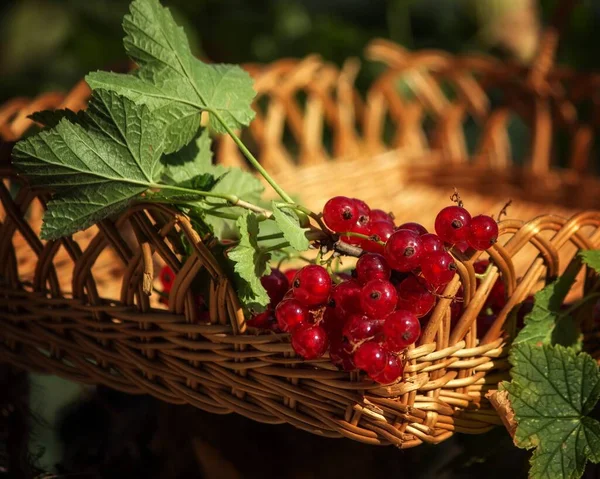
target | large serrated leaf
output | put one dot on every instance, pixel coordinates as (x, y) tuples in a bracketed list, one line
[(172, 82), (97, 169), (289, 224), (547, 323), (250, 264), (552, 391)]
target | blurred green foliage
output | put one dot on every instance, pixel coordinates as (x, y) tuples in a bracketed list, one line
[(51, 44)]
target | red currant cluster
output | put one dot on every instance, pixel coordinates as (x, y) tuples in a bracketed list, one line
[(369, 318)]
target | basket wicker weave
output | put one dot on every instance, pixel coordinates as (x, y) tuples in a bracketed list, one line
[(79, 307)]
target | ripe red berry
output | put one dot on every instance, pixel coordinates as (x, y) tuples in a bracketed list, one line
[(372, 266), (276, 284), (378, 298), (312, 285), (431, 243), (403, 250), (290, 314), (333, 321), (452, 224), (415, 227), (380, 215), (379, 231), (391, 372), (167, 278), (290, 273), (484, 323), (340, 213), (400, 329), (414, 296), (438, 268), (346, 297), (264, 320), (362, 208), (360, 327), (483, 232), (370, 357), (340, 353), (362, 227), (310, 341)]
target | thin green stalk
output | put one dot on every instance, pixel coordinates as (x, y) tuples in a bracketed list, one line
[(234, 200), (284, 196)]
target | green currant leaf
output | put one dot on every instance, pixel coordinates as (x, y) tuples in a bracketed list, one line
[(172, 82), (250, 264), (96, 167), (553, 389), (188, 166), (591, 258), (547, 323), (288, 222)]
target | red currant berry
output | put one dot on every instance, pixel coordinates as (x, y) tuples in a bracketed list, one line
[(333, 321), (167, 278), (359, 327), (346, 297), (361, 227), (276, 285), (462, 246), (452, 224), (438, 268), (310, 341), (456, 307), (312, 285), (431, 243), (484, 323), (372, 266), (414, 296), (264, 320), (380, 215), (362, 208), (403, 250), (391, 372), (378, 231), (483, 232), (290, 273), (481, 266), (415, 227), (290, 314), (378, 298), (340, 213), (400, 329), (340, 353), (370, 357)]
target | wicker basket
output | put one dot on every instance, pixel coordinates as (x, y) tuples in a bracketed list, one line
[(79, 307)]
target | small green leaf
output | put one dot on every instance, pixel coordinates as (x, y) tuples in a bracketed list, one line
[(547, 323), (250, 264), (188, 167), (172, 82), (288, 222), (552, 391), (95, 168), (591, 258)]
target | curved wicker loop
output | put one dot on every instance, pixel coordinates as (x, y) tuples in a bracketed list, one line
[(133, 344), (428, 98), (301, 106)]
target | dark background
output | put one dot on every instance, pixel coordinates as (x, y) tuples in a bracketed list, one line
[(51, 44)]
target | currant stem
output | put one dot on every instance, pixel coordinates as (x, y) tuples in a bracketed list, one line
[(284, 196), (234, 200)]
